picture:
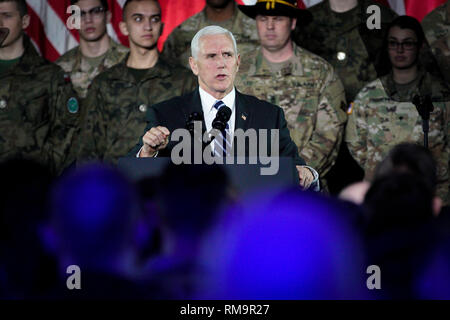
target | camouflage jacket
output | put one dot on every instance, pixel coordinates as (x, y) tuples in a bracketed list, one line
[(82, 73), (311, 95), (344, 40), (177, 47), (436, 26), (379, 121), (38, 111), (114, 117)]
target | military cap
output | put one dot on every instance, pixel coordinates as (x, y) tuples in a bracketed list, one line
[(3, 34), (286, 8)]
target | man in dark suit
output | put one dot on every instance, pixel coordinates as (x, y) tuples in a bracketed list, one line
[(215, 62)]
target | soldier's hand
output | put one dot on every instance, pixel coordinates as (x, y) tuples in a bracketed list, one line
[(155, 139), (306, 177)]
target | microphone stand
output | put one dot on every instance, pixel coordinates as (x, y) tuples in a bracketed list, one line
[(424, 106)]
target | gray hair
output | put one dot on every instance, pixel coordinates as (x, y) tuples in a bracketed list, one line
[(206, 31)]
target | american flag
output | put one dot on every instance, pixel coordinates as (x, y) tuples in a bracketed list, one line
[(50, 34)]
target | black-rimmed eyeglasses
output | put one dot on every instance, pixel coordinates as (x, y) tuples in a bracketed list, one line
[(94, 12), (407, 45)]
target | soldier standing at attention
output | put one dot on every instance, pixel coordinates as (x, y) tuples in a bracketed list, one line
[(303, 84), (119, 97), (38, 108), (387, 111), (436, 26), (223, 13), (97, 51), (339, 34)]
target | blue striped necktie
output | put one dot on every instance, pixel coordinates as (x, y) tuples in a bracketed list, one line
[(222, 143)]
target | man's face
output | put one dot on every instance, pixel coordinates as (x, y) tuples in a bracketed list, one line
[(10, 18), (216, 65), (217, 4), (274, 31), (402, 56), (93, 20), (142, 24)]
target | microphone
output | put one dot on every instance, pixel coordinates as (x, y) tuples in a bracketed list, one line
[(220, 122), (221, 119), (194, 116), (3, 34)]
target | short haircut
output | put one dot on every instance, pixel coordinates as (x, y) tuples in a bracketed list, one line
[(207, 31), (103, 2), (410, 158), (21, 6), (129, 1)]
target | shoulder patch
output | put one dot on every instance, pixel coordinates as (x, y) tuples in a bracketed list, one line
[(350, 108)]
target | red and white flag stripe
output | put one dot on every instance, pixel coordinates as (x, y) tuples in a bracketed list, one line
[(52, 37)]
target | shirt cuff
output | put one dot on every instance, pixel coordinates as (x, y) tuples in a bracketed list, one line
[(139, 152)]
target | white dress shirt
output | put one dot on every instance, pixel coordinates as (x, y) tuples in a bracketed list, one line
[(209, 112)]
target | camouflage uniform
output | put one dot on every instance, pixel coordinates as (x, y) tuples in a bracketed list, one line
[(38, 111), (436, 26), (379, 121), (344, 40), (116, 106), (82, 73), (177, 47), (311, 95)]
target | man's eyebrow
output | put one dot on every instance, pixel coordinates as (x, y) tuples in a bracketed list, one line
[(395, 38), (143, 15)]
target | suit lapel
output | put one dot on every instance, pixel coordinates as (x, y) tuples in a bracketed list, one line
[(194, 104), (242, 113)]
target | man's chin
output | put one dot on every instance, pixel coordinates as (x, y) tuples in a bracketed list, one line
[(93, 37)]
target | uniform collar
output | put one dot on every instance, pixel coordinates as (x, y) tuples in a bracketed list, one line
[(30, 58), (110, 55), (160, 70), (391, 88), (263, 69)]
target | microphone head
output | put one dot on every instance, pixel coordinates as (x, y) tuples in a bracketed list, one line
[(3, 34), (222, 117), (225, 113), (194, 116)]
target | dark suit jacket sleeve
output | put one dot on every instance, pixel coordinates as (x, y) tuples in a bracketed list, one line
[(287, 147)]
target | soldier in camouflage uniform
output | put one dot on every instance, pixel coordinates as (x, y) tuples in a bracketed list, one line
[(339, 34), (96, 52), (303, 84), (222, 13), (38, 108), (383, 114), (119, 97), (343, 39), (436, 26)]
